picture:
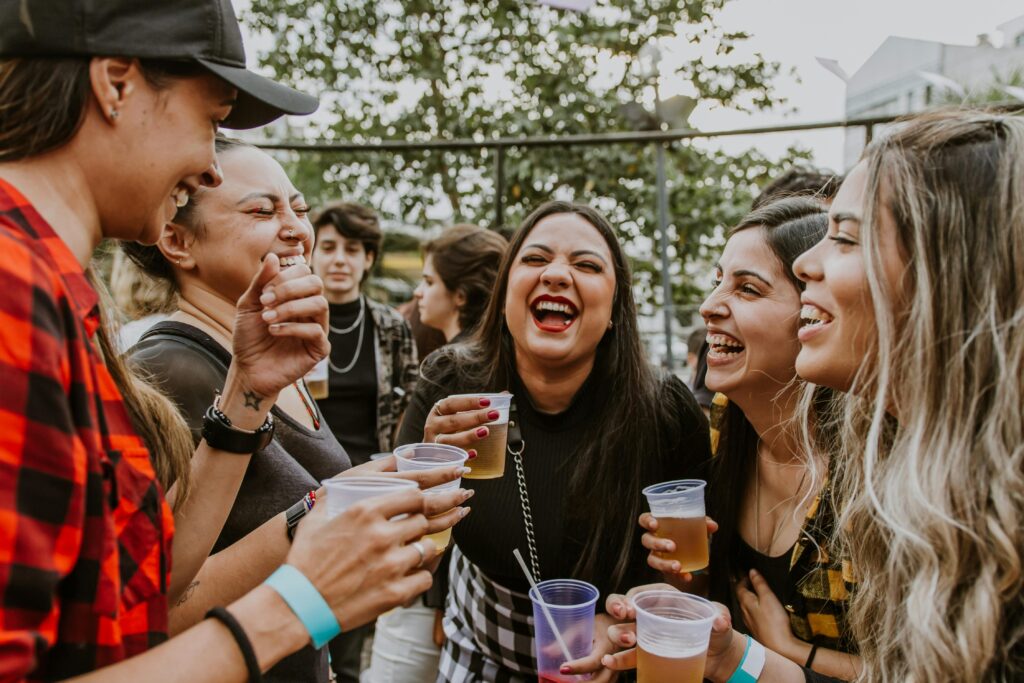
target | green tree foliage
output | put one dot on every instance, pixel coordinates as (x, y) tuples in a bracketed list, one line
[(424, 70)]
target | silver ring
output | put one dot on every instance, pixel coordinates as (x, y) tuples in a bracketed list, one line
[(421, 551), (438, 437), (437, 409)]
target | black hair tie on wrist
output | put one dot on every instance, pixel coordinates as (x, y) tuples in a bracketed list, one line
[(810, 657), (225, 617)]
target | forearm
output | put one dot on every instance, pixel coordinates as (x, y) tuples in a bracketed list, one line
[(207, 653), (841, 665), (232, 572), (777, 668), (200, 518)]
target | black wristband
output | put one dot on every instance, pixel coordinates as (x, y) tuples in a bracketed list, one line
[(238, 633), (219, 433), (810, 657)]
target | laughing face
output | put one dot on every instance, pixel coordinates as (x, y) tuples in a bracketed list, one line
[(838, 325), (560, 291), (751, 317)]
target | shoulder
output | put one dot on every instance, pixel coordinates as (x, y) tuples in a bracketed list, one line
[(35, 302), (181, 369)]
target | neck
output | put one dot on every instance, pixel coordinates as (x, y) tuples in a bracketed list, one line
[(57, 188), (552, 388), (346, 297), (452, 329), (772, 414), (207, 309)]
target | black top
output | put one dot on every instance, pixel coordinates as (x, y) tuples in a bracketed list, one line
[(190, 366), (495, 527), (351, 404)]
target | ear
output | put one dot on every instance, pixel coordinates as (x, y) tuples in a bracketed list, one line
[(175, 244), (113, 81), (371, 258), (459, 297)]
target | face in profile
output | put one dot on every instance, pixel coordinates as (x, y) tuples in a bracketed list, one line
[(838, 329), (752, 319), (254, 212), (166, 138), (561, 286), (438, 305)]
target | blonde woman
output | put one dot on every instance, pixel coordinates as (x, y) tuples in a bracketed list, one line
[(914, 304)]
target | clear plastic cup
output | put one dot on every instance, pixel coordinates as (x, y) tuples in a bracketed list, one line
[(429, 456), (571, 605), (679, 508), (489, 462), (344, 492), (672, 634)]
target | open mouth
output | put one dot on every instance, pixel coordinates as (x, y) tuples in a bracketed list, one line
[(724, 347), (553, 313), (812, 317)]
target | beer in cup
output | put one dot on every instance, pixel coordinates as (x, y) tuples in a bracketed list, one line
[(672, 634), (679, 508), (490, 451), (428, 456)]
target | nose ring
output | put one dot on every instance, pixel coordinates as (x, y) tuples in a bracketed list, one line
[(291, 233)]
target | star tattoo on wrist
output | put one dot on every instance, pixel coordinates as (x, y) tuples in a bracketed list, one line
[(252, 400)]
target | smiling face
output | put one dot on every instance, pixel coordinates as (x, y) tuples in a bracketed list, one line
[(838, 327), (255, 211), (341, 262), (752, 317), (560, 292), (165, 142)]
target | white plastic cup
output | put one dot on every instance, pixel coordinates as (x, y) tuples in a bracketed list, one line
[(673, 630), (344, 492), (679, 508), (429, 456)]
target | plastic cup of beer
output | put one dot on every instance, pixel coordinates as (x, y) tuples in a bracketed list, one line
[(571, 605), (344, 492), (429, 456), (316, 380), (672, 634), (679, 508), (490, 450)]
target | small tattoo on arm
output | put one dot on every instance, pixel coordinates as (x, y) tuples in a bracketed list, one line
[(187, 594), (252, 400)]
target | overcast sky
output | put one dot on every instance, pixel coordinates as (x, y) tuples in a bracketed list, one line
[(794, 32)]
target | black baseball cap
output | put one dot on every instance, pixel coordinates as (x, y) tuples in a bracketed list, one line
[(201, 31)]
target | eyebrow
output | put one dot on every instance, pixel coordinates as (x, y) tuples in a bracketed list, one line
[(744, 273), (267, 195), (580, 252), (840, 216)]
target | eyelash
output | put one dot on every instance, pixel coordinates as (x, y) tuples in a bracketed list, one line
[(300, 211), (534, 259), (842, 240), (746, 289)]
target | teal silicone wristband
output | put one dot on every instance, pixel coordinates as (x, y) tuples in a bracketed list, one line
[(740, 675), (305, 600)]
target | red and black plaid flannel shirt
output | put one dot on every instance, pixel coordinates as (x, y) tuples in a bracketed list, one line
[(85, 531)]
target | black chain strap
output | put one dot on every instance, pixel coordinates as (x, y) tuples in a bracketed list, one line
[(516, 444)]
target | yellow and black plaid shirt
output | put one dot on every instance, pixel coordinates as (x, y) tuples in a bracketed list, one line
[(823, 584)]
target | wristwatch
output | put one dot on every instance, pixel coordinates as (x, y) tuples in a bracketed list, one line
[(222, 435)]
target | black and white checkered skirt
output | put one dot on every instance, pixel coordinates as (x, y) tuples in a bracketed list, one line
[(489, 629)]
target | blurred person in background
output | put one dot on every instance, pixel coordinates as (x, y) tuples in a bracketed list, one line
[(140, 300)]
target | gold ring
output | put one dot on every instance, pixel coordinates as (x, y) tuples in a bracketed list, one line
[(421, 551), (437, 409)]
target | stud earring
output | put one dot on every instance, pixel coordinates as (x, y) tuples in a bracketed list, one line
[(114, 113), (610, 323)]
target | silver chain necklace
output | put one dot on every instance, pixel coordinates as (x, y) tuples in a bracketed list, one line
[(524, 500), (358, 321), (359, 343)]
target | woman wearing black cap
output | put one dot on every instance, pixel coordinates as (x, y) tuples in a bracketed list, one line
[(93, 147)]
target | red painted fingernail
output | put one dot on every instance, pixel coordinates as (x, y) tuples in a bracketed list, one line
[(493, 415), (482, 432), (566, 669), (484, 402), (472, 454)]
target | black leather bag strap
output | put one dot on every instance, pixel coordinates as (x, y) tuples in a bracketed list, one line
[(195, 339), (515, 434)]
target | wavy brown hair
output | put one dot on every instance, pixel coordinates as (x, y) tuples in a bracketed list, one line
[(935, 514), (467, 257)]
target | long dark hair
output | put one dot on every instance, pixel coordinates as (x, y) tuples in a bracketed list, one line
[(632, 420), (790, 226), (467, 257)]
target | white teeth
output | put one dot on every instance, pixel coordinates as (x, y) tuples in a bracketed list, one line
[(287, 261), (555, 306), (723, 340), (812, 315), (180, 197)]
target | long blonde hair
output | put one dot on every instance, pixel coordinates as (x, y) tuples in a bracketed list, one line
[(934, 502)]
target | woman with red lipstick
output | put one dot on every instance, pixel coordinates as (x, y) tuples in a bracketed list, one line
[(769, 498), (597, 424), (913, 306)]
